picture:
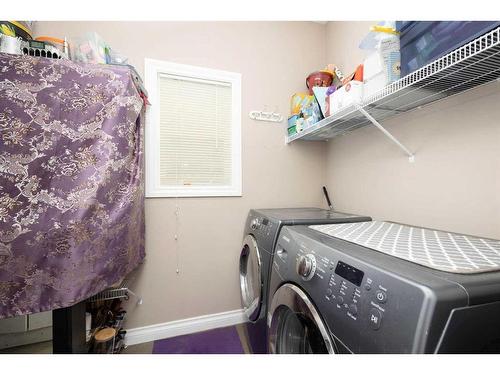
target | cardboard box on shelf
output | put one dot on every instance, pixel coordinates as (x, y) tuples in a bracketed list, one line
[(347, 95)]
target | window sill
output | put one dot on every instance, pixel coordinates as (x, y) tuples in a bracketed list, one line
[(193, 193)]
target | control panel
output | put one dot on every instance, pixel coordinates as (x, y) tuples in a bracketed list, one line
[(367, 308), (263, 229), (346, 288)]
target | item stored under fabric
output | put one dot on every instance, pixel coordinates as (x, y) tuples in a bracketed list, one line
[(71, 181)]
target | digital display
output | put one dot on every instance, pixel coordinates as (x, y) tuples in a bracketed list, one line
[(349, 273)]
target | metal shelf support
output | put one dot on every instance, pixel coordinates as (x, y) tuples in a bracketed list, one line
[(411, 156)]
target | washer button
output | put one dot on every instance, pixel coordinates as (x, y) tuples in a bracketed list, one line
[(375, 319), (353, 309), (340, 300), (329, 292), (368, 287), (381, 296)]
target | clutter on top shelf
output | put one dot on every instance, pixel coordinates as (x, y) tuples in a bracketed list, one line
[(383, 64), (21, 29), (334, 98), (88, 48), (61, 44), (357, 75), (92, 48), (20, 46), (299, 104), (350, 93), (423, 42), (16, 37), (305, 109), (321, 96), (300, 100), (305, 112), (322, 78)]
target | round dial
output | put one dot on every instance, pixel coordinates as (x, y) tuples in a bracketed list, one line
[(255, 224), (306, 266)]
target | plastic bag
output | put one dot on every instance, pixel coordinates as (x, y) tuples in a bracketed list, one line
[(382, 33), (92, 48), (89, 48)]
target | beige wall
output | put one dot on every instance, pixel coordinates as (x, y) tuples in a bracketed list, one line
[(454, 183), (274, 58), (342, 40)]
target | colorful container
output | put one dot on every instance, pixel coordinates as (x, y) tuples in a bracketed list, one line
[(322, 78), (300, 100), (23, 29)]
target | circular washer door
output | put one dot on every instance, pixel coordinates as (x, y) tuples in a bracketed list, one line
[(250, 278), (296, 326)]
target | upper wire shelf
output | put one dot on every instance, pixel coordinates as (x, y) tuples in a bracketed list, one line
[(474, 64)]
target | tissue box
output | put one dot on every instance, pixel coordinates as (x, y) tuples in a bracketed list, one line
[(347, 95)]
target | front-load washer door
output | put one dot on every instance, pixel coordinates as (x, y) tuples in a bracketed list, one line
[(251, 278), (295, 326)]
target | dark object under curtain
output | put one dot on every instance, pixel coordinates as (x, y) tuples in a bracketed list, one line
[(71, 181)]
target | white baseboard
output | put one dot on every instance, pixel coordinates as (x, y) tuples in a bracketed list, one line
[(184, 327)]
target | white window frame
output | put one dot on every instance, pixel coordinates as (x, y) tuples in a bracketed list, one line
[(153, 68)]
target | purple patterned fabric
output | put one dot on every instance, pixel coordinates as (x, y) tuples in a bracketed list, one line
[(71, 181)]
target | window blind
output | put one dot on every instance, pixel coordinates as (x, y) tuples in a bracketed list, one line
[(195, 132)]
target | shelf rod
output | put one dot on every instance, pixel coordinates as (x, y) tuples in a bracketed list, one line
[(411, 156)]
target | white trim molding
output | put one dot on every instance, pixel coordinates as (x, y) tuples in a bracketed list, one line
[(184, 327), (156, 68)]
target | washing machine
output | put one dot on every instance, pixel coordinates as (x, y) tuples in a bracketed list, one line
[(261, 231), (380, 287)]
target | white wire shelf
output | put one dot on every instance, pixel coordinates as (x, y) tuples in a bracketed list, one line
[(469, 66)]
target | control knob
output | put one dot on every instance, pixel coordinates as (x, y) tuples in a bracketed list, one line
[(306, 266), (255, 224)]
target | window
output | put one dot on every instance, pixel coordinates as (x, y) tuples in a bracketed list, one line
[(193, 131)]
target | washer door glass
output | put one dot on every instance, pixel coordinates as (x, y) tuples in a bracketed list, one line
[(295, 326), (250, 278)]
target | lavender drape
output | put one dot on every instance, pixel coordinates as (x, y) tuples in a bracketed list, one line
[(71, 181)]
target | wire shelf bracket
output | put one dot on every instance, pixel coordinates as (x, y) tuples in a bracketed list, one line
[(411, 156)]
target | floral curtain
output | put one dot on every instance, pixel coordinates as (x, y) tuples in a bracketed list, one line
[(71, 181)]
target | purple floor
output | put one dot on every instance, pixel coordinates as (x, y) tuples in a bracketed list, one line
[(216, 341)]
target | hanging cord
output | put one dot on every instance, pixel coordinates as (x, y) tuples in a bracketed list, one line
[(177, 209), (176, 235)]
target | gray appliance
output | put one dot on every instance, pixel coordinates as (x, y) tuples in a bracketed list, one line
[(261, 231), (381, 287)]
